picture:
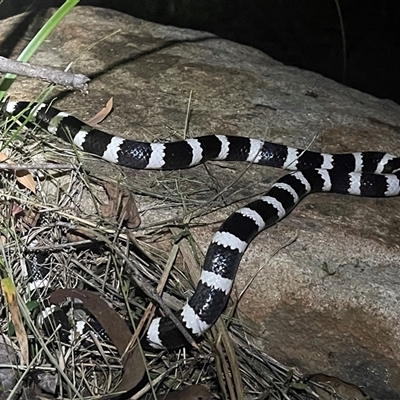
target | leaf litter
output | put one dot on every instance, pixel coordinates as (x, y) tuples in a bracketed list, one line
[(62, 215)]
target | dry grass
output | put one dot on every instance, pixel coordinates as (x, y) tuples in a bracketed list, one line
[(51, 222)]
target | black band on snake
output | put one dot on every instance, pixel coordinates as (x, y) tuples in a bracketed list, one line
[(369, 174)]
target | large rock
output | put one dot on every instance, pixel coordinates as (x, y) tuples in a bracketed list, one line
[(327, 301)]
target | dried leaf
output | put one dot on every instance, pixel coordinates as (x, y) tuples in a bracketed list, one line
[(17, 209), (102, 114), (75, 237), (24, 177), (47, 381), (340, 387), (119, 334), (194, 392), (121, 205), (4, 158), (9, 291), (31, 217), (116, 330)]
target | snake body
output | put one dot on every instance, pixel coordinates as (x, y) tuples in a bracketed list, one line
[(369, 174)]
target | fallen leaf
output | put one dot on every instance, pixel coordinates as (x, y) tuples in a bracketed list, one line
[(10, 294), (120, 335), (24, 177), (117, 331), (17, 209), (4, 157), (47, 381), (31, 217), (121, 205), (74, 237), (194, 392), (102, 114), (340, 387)]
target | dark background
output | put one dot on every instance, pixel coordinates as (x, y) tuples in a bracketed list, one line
[(355, 42)]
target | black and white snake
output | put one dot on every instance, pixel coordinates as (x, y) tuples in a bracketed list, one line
[(370, 174)]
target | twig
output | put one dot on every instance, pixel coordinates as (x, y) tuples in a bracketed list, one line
[(60, 246), (67, 79), (19, 167)]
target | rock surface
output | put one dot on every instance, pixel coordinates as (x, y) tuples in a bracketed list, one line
[(327, 301)]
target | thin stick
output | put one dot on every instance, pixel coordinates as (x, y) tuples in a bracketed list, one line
[(52, 75), (19, 167)]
